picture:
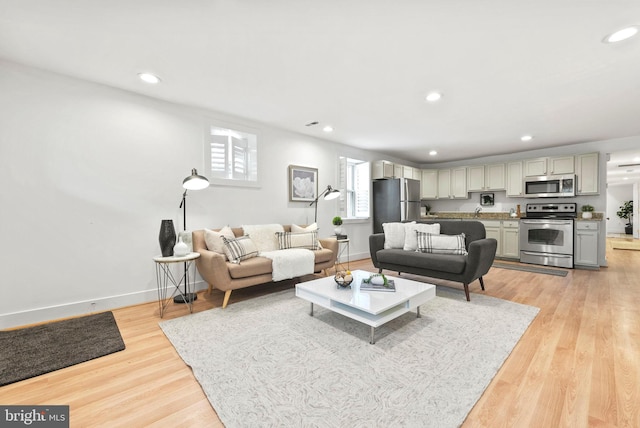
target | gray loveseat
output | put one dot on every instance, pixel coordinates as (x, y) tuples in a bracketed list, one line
[(452, 267)]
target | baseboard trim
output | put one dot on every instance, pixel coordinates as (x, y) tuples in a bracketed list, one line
[(85, 307)]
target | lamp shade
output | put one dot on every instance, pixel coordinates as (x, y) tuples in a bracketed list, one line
[(195, 181), (331, 193)]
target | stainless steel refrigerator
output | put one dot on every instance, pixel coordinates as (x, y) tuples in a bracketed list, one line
[(396, 199)]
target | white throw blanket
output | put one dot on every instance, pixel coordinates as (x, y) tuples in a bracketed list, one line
[(290, 263)]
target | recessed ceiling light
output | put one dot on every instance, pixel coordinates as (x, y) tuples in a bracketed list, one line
[(328, 128), (149, 78), (433, 97), (433, 153), (526, 138), (621, 35)]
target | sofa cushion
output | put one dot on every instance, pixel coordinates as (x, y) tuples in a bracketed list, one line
[(239, 249), (308, 240), (250, 267), (297, 229), (411, 237), (394, 234), (214, 240), (441, 244), (451, 263), (263, 235)]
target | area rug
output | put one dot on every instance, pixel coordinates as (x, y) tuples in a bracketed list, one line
[(267, 362), (533, 269), (33, 351), (626, 245)]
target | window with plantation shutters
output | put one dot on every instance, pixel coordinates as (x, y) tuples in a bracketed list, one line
[(233, 155), (354, 181)]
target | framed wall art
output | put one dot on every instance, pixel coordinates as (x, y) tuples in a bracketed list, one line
[(486, 199), (303, 183)]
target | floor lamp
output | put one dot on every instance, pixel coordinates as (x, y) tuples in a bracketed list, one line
[(192, 182), (328, 193)]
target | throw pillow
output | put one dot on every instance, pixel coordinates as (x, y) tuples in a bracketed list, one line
[(411, 238), (308, 240), (263, 235), (214, 240), (441, 244), (298, 229), (394, 234), (239, 249)]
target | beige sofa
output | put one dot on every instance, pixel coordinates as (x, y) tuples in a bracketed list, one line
[(226, 276)]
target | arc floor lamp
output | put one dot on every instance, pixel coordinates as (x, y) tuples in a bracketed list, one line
[(328, 194), (192, 182)]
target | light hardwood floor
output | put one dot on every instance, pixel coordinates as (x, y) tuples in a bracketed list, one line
[(577, 365)]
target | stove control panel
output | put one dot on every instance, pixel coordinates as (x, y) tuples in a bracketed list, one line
[(563, 209)]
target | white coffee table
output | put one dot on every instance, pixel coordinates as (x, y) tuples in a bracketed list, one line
[(372, 308)]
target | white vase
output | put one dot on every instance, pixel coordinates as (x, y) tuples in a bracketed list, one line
[(337, 230), (587, 214), (180, 249)]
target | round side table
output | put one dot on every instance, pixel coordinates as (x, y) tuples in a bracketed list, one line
[(164, 277)]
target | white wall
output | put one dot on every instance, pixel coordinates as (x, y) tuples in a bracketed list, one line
[(88, 172)]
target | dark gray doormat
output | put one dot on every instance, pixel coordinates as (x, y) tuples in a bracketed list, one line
[(528, 268), (33, 351)]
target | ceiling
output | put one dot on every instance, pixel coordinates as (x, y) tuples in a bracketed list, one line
[(505, 68)]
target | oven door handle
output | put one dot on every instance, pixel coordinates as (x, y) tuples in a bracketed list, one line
[(557, 256), (538, 222)]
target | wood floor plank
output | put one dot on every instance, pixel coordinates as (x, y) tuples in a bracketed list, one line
[(577, 365)]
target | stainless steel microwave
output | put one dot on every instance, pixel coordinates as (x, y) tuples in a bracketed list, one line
[(550, 186)]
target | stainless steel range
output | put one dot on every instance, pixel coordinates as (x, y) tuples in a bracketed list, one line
[(546, 234)]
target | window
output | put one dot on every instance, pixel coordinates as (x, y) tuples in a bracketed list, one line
[(354, 180), (233, 155)]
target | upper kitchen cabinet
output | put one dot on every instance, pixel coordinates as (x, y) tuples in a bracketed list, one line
[(587, 172), (549, 166), (429, 184), (382, 169), (452, 183), (514, 179), (486, 177)]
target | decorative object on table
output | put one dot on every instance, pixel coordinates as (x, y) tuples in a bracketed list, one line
[(328, 194), (626, 213), (343, 279), (341, 236), (487, 199), (192, 182), (587, 211), (377, 282), (303, 184), (427, 209), (337, 223), (167, 237), (187, 238), (180, 249)]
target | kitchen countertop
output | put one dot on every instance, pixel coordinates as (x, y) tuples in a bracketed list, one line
[(493, 216)]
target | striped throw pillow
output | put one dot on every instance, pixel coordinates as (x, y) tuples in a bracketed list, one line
[(238, 249), (308, 240), (441, 244)]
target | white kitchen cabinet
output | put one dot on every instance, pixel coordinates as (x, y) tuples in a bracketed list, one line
[(510, 239), (407, 172), (429, 184), (514, 179), (444, 183), (382, 169), (561, 165), (494, 177), (475, 178), (459, 183), (398, 171), (587, 174), (586, 249), (549, 166), (493, 228)]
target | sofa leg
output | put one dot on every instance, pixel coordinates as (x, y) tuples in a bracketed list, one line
[(227, 294), (466, 292), (481, 283)]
